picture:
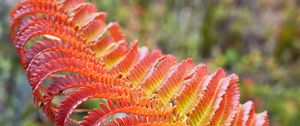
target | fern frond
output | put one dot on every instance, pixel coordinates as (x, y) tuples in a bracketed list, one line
[(172, 83), (71, 55), (140, 70), (189, 95), (143, 114), (157, 73)]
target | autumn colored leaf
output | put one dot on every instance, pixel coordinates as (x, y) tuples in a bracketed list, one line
[(71, 56)]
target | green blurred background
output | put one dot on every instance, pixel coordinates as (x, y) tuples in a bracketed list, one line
[(257, 39)]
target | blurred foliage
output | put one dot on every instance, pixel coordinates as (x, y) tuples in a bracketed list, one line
[(258, 39)]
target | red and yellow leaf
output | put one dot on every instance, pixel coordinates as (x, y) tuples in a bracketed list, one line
[(68, 44)]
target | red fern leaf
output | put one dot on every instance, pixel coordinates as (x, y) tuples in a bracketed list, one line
[(228, 106), (72, 47), (149, 113), (209, 101), (187, 98), (157, 73), (137, 72), (171, 84)]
